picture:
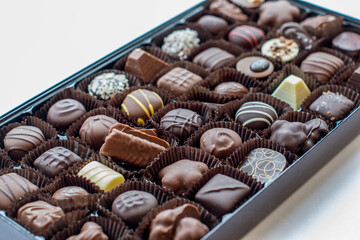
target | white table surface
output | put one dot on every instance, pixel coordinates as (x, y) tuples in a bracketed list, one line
[(43, 42)]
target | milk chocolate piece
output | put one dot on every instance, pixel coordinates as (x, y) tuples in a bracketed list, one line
[(38, 216), (164, 225), (354, 80), (220, 142), (212, 24), (296, 136), (190, 229), (143, 65), (102, 176), (325, 26), (230, 88), (257, 67), (132, 146), (95, 129), (133, 205), (281, 48), (141, 104), (181, 122), (263, 164), (292, 90), (55, 160), (256, 115), (13, 187), (90, 231), (178, 81), (20, 140), (348, 43), (221, 194), (321, 65), (64, 112), (69, 192), (178, 176), (107, 85), (295, 31), (332, 106), (276, 13), (228, 9), (213, 58), (246, 36)]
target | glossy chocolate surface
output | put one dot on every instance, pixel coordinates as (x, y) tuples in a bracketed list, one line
[(90, 231), (246, 36), (69, 192), (296, 31), (230, 88), (228, 9), (257, 67), (212, 23), (213, 58), (277, 12)]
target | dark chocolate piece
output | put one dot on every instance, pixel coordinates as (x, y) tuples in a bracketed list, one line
[(257, 67), (246, 36), (276, 13), (95, 129), (295, 31), (178, 81), (347, 42), (212, 23), (228, 9), (55, 160), (296, 136), (174, 178), (13, 187), (263, 164), (90, 231), (256, 115), (230, 88), (332, 106), (220, 142), (181, 122), (64, 112), (248, 3), (221, 194), (321, 65), (133, 205), (190, 229), (324, 26), (69, 192), (107, 85), (143, 65), (38, 216), (141, 104), (213, 58), (20, 140), (354, 80)]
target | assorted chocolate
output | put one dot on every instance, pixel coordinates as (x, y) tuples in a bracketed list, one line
[(230, 89), (281, 49), (256, 67), (246, 36), (275, 13), (348, 43), (107, 85), (90, 231), (69, 192), (213, 58), (212, 24)]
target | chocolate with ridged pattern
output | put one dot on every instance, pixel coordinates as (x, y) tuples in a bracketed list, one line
[(213, 58)]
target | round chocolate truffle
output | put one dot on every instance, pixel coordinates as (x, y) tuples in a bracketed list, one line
[(64, 112), (95, 129), (256, 115), (230, 88), (133, 205), (220, 142), (256, 67), (212, 23), (347, 42), (246, 36), (20, 140), (181, 122), (281, 48), (107, 85), (141, 104), (69, 192)]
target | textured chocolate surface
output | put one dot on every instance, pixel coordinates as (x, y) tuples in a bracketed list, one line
[(213, 58), (246, 36), (190, 229), (181, 122), (325, 26), (295, 31), (69, 192), (257, 67), (321, 65), (20, 140), (95, 129), (256, 115), (221, 194), (133, 205), (107, 85), (332, 106), (220, 142), (348, 42), (174, 178), (143, 65), (165, 223), (212, 23), (141, 104), (354, 80), (55, 160), (178, 81), (248, 3), (230, 88), (38, 216), (228, 9), (64, 112), (90, 231), (277, 12), (281, 48), (13, 187), (296, 136), (135, 147), (263, 164)]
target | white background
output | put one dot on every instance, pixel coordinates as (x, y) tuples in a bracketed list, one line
[(43, 42)]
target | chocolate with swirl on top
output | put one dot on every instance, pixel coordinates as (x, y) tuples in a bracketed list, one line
[(296, 31)]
